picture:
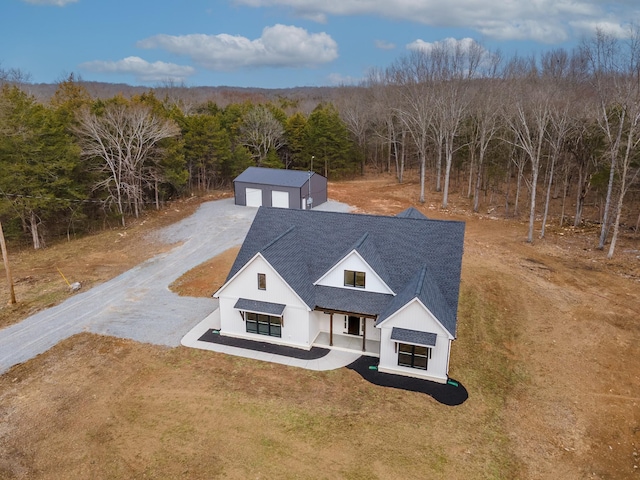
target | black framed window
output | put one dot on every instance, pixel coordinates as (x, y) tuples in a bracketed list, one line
[(354, 279), (263, 324), (262, 281), (414, 356)]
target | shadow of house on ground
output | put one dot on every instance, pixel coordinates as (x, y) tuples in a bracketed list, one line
[(446, 394)]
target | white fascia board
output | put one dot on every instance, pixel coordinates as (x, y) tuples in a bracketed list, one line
[(343, 259), (406, 305), (246, 265)]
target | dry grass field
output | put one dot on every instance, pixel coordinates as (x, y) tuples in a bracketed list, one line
[(548, 348)]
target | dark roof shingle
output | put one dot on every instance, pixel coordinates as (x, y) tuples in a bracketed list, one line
[(415, 258)]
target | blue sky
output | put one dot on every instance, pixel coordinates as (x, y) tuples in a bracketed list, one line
[(275, 43)]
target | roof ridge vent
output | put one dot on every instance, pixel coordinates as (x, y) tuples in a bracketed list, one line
[(289, 230)]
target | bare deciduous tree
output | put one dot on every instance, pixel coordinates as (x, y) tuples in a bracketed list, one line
[(415, 108), (484, 127), (261, 132), (528, 120), (614, 72), (556, 135), (125, 138)]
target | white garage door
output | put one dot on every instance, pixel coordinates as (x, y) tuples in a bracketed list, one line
[(280, 199), (254, 197)]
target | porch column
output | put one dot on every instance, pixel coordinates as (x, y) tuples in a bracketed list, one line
[(364, 334), (331, 329)]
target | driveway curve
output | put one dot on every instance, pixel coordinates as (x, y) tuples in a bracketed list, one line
[(138, 304)]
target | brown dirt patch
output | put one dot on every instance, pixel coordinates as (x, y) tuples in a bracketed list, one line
[(205, 279), (548, 347)]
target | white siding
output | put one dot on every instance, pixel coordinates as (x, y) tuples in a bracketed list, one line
[(279, 199), (295, 329), (415, 317), (253, 197), (353, 261)]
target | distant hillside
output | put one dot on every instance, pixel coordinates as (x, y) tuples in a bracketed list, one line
[(222, 95)]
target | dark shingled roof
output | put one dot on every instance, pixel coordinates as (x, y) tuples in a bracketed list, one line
[(412, 213), (257, 306), (274, 176), (416, 258), (413, 336)]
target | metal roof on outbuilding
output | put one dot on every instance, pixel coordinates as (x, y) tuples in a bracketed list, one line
[(274, 176)]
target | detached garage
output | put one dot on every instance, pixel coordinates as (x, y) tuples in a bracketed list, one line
[(272, 187)]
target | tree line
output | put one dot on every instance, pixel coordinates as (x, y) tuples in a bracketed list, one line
[(75, 162), (559, 124), (504, 131)]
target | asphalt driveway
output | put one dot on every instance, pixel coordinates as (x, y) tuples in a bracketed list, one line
[(138, 304)]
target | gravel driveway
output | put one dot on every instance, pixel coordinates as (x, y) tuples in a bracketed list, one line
[(138, 304)]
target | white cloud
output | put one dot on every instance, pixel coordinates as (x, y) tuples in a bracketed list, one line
[(547, 21), (279, 46), (339, 79), (611, 28), (384, 45), (144, 71), (57, 3), (449, 43)]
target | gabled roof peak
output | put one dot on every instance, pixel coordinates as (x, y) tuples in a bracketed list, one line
[(412, 213)]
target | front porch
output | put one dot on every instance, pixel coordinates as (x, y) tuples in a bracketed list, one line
[(348, 343)]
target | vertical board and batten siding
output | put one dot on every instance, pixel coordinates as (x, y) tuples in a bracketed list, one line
[(315, 324), (415, 317), (295, 329), (353, 261)]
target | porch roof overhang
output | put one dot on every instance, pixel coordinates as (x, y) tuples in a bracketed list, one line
[(415, 337), (350, 302), (256, 306), (343, 312)]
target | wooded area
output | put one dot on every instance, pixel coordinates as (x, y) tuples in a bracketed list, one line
[(563, 125)]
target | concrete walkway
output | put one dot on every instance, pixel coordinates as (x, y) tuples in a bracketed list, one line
[(334, 358)]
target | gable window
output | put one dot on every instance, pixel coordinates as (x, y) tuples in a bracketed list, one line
[(354, 279), (262, 281), (414, 356), (264, 324)]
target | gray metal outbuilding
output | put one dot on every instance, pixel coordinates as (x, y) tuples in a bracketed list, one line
[(273, 187)]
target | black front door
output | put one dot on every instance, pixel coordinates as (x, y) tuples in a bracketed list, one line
[(353, 325)]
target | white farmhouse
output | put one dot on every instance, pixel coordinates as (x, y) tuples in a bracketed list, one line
[(385, 286)]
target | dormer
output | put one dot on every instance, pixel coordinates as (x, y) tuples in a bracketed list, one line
[(353, 272)]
